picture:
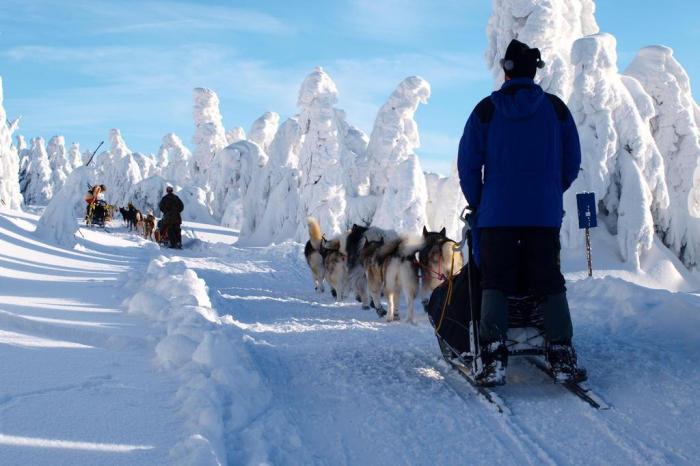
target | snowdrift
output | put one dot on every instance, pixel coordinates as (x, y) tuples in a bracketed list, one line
[(219, 380)]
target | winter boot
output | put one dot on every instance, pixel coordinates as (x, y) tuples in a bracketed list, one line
[(494, 357), (563, 363)]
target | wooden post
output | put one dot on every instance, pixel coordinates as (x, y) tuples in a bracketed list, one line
[(588, 252), (589, 256)]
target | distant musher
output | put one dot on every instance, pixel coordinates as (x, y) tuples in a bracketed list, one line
[(527, 144), (171, 206), (96, 209)]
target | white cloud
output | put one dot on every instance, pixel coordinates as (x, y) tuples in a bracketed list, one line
[(130, 16), (402, 20)]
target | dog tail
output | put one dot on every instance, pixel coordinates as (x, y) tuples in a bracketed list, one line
[(315, 235), (404, 247), (388, 249), (410, 245)]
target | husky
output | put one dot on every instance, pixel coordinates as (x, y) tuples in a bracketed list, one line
[(438, 259), (391, 266), (149, 225), (351, 244), (335, 265), (312, 252)]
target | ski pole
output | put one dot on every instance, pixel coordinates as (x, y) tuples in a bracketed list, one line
[(94, 152)]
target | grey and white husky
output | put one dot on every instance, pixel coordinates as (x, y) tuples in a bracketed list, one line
[(391, 267)]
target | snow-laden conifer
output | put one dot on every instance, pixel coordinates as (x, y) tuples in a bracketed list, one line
[(396, 177), (677, 135), (550, 25), (10, 193)]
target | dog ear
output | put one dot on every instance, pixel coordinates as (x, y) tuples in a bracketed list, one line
[(425, 231), (443, 232)]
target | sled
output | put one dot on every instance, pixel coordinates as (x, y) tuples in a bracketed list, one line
[(98, 214), (453, 312)]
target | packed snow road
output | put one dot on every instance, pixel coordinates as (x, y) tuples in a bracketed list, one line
[(227, 355), (355, 390)]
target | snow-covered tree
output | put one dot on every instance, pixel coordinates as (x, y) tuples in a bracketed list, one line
[(24, 152), (117, 169), (361, 204), (118, 147), (59, 221), (147, 164), (209, 134), (677, 135), (75, 158), (396, 175), (37, 188), (235, 171), (253, 185), (322, 193), (280, 182), (235, 134), (550, 25), (263, 130), (620, 160), (445, 203), (147, 193), (178, 156), (21, 143), (196, 205), (58, 158), (10, 193)]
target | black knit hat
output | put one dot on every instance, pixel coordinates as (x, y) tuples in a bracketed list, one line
[(521, 61)]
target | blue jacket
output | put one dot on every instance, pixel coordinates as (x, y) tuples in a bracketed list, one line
[(526, 142)]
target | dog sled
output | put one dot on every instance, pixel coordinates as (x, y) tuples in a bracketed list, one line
[(453, 311), (98, 212)]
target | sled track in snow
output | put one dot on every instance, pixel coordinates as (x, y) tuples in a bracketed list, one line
[(530, 448)]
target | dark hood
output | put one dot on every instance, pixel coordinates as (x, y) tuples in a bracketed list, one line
[(518, 98)]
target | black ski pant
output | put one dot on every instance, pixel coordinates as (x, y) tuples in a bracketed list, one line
[(522, 261), (174, 235)]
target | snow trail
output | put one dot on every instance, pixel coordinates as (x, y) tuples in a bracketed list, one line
[(357, 390), (77, 386)]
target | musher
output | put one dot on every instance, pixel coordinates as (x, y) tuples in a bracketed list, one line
[(520, 151)]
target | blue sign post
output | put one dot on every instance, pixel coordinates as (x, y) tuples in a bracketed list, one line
[(587, 219)]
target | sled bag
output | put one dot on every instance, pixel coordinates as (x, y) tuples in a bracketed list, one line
[(454, 325)]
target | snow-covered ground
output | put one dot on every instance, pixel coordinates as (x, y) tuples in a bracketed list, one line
[(117, 352)]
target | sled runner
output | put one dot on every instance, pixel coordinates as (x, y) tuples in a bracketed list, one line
[(453, 310)]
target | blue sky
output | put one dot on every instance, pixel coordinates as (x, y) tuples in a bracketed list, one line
[(78, 68)]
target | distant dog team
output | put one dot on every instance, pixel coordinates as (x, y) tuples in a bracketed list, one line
[(371, 262)]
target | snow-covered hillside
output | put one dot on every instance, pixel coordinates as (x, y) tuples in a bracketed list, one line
[(127, 354)]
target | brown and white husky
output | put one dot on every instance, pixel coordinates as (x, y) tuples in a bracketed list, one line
[(335, 265), (312, 253), (437, 259)]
